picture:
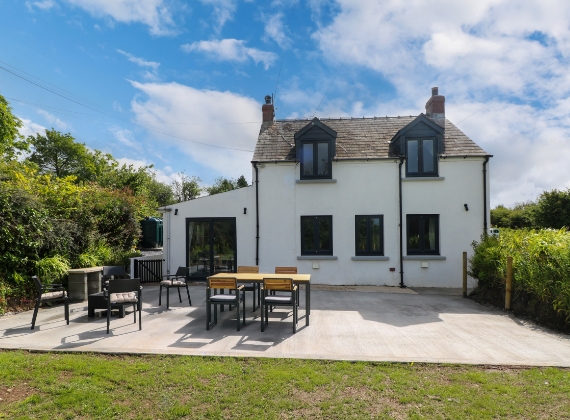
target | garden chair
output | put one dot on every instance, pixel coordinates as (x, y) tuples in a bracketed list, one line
[(178, 280), (251, 287), (214, 298), (49, 293), (288, 270), (278, 285), (112, 272), (124, 292)]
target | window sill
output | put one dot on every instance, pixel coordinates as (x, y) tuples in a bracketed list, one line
[(370, 258), (317, 257), (316, 181), (423, 178), (424, 257)]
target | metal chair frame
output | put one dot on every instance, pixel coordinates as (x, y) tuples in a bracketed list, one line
[(124, 286), (223, 299), (41, 289), (181, 273), (253, 286), (278, 284)]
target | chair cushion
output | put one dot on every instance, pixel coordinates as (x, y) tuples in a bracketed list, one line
[(279, 299), (126, 297), (173, 283), (250, 286), (223, 298), (52, 295)]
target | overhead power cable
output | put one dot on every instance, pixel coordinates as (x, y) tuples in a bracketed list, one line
[(122, 119)]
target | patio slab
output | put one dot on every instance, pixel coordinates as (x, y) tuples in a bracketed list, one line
[(355, 323)]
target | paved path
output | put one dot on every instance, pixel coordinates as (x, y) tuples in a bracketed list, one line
[(346, 324)]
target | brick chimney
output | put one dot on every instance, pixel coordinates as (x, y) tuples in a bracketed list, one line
[(435, 107), (267, 110)]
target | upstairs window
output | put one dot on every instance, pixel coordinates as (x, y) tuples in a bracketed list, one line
[(316, 235), (315, 159), (421, 157), (423, 234), (369, 235)]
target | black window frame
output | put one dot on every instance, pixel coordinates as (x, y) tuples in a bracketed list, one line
[(315, 162), (422, 251), (368, 252), (316, 220), (421, 172)]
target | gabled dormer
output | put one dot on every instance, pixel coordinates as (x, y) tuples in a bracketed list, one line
[(315, 146), (421, 142)]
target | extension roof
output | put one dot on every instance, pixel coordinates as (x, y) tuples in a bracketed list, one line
[(357, 138)]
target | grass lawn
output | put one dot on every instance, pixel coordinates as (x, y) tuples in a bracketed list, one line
[(91, 386)]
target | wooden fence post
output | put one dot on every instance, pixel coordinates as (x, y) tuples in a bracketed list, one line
[(508, 291), (465, 274)]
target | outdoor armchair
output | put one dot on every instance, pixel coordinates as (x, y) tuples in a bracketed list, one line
[(112, 272), (124, 292), (251, 287), (49, 293), (278, 285), (214, 298), (178, 280), (288, 270)]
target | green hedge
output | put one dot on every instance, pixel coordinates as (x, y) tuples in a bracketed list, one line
[(541, 264)]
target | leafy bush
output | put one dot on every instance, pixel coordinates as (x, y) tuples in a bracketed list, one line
[(541, 264), (52, 269)]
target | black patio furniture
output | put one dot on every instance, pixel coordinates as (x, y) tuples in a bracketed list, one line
[(49, 293), (113, 272), (288, 270), (178, 280), (122, 292), (278, 285), (251, 287), (214, 298)]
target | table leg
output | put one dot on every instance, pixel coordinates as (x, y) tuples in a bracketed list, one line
[(308, 302)]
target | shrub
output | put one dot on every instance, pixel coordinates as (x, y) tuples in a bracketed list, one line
[(52, 269), (541, 264)]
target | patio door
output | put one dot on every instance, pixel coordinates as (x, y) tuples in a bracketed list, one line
[(210, 246)]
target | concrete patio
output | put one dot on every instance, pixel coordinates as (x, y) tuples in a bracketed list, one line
[(346, 323)]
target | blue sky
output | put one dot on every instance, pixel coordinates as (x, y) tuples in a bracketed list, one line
[(180, 84)]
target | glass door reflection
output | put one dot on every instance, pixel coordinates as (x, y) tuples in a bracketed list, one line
[(211, 246)]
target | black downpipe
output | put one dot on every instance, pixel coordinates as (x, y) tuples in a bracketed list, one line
[(402, 285), (485, 195), (256, 213)]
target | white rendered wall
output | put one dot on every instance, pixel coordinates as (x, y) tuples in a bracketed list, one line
[(368, 188), (228, 204)]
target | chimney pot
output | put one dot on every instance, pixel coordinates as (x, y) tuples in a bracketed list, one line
[(435, 107), (267, 110), (434, 91)]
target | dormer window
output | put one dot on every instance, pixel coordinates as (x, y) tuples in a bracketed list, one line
[(315, 147), (421, 157), (315, 159)]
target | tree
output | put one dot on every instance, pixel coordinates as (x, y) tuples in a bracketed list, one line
[(222, 185), (520, 216), (11, 141), (188, 188), (553, 209), (59, 154)]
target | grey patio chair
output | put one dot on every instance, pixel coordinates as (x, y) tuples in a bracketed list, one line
[(49, 293), (113, 272), (124, 292), (251, 287), (278, 285), (178, 280), (214, 298)]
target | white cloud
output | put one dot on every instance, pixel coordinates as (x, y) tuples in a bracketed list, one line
[(141, 62), (503, 54), (275, 30), (156, 14), (223, 11), (231, 50), (42, 4), (53, 120), (30, 128), (125, 136), (218, 118)]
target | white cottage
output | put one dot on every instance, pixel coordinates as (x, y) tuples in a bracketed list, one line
[(352, 201)]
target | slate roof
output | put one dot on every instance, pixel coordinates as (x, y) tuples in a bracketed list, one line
[(359, 138)]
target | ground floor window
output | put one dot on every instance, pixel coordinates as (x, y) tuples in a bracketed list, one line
[(422, 234), (369, 235), (316, 235)]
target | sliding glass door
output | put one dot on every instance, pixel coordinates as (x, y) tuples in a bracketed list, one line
[(210, 246)]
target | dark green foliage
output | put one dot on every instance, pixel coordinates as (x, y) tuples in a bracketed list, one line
[(541, 264), (222, 185), (11, 142), (520, 216), (553, 209)]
